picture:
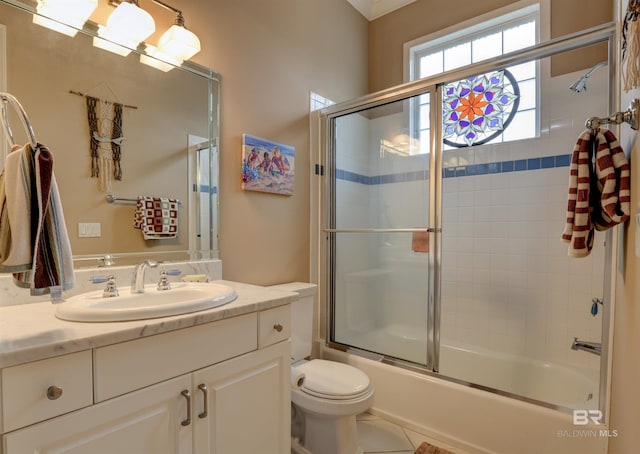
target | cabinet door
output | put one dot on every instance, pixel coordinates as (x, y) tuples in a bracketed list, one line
[(248, 404), (148, 421)]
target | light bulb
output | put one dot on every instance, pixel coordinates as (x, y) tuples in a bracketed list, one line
[(179, 43), (64, 16), (128, 25)]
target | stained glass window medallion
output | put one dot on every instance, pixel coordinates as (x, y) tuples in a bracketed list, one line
[(477, 110)]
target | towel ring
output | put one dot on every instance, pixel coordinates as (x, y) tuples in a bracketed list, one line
[(7, 98)]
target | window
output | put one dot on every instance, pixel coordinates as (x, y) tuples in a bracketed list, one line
[(317, 102), (492, 38)]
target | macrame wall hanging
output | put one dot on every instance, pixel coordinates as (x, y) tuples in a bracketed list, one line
[(105, 129), (631, 47), (105, 136)]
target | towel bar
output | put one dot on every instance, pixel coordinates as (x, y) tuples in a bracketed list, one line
[(111, 198), (6, 98), (629, 116)]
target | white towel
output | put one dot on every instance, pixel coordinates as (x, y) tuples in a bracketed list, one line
[(16, 249), (50, 259)]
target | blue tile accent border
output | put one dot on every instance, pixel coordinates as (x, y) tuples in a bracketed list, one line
[(520, 165), (207, 189)]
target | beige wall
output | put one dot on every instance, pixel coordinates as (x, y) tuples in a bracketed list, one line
[(270, 55), (625, 392), (625, 389), (388, 34)]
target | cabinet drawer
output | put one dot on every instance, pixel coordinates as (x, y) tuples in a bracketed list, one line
[(274, 325), (131, 365), (43, 389)]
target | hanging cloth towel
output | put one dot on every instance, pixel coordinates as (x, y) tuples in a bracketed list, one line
[(48, 267), (16, 244), (578, 230), (157, 217), (599, 195), (613, 198)]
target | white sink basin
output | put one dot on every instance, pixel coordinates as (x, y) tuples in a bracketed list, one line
[(184, 297)]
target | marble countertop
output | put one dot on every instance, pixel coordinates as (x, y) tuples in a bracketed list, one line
[(30, 332)]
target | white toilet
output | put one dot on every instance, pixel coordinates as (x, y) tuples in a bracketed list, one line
[(325, 405)]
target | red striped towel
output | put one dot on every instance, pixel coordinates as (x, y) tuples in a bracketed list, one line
[(597, 198), (578, 230), (614, 184)]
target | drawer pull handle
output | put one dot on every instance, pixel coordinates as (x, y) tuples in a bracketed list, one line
[(202, 387), (54, 392), (187, 395), (278, 327)]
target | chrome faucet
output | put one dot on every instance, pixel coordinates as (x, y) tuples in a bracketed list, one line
[(137, 283), (590, 347)]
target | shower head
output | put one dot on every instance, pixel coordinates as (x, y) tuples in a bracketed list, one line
[(580, 85)]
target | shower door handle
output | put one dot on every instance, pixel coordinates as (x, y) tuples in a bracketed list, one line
[(381, 230)]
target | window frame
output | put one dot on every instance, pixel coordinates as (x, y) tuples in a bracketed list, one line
[(467, 32)]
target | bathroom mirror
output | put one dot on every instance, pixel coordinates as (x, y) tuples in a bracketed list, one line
[(169, 123)]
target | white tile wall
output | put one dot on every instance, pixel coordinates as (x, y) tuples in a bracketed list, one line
[(508, 284)]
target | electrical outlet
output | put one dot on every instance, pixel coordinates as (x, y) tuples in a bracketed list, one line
[(89, 230)]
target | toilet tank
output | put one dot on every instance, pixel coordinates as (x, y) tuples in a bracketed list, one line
[(302, 312)]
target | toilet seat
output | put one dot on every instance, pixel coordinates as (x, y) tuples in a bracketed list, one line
[(333, 380)]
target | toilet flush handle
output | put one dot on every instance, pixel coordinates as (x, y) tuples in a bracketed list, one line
[(278, 327)]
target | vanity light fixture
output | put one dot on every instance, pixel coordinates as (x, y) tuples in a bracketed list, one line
[(127, 26), (178, 42), (64, 16)]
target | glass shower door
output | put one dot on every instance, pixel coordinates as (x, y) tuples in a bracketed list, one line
[(444, 226), (379, 237), (512, 300)]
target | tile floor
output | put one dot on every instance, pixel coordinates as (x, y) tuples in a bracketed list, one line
[(378, 435)]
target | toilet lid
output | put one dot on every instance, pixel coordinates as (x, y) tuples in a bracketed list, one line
[(333, 380)]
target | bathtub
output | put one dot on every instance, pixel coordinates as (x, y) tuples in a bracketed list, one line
[(476, 420), (554, 384)]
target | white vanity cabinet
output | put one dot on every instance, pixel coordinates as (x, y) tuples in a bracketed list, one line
[(247, 406), (219, 388), (142, 422)]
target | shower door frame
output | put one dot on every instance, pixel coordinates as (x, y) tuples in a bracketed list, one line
[(326, 214)]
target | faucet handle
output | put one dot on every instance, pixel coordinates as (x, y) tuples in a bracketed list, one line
[(163, 283), (110, 290)]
